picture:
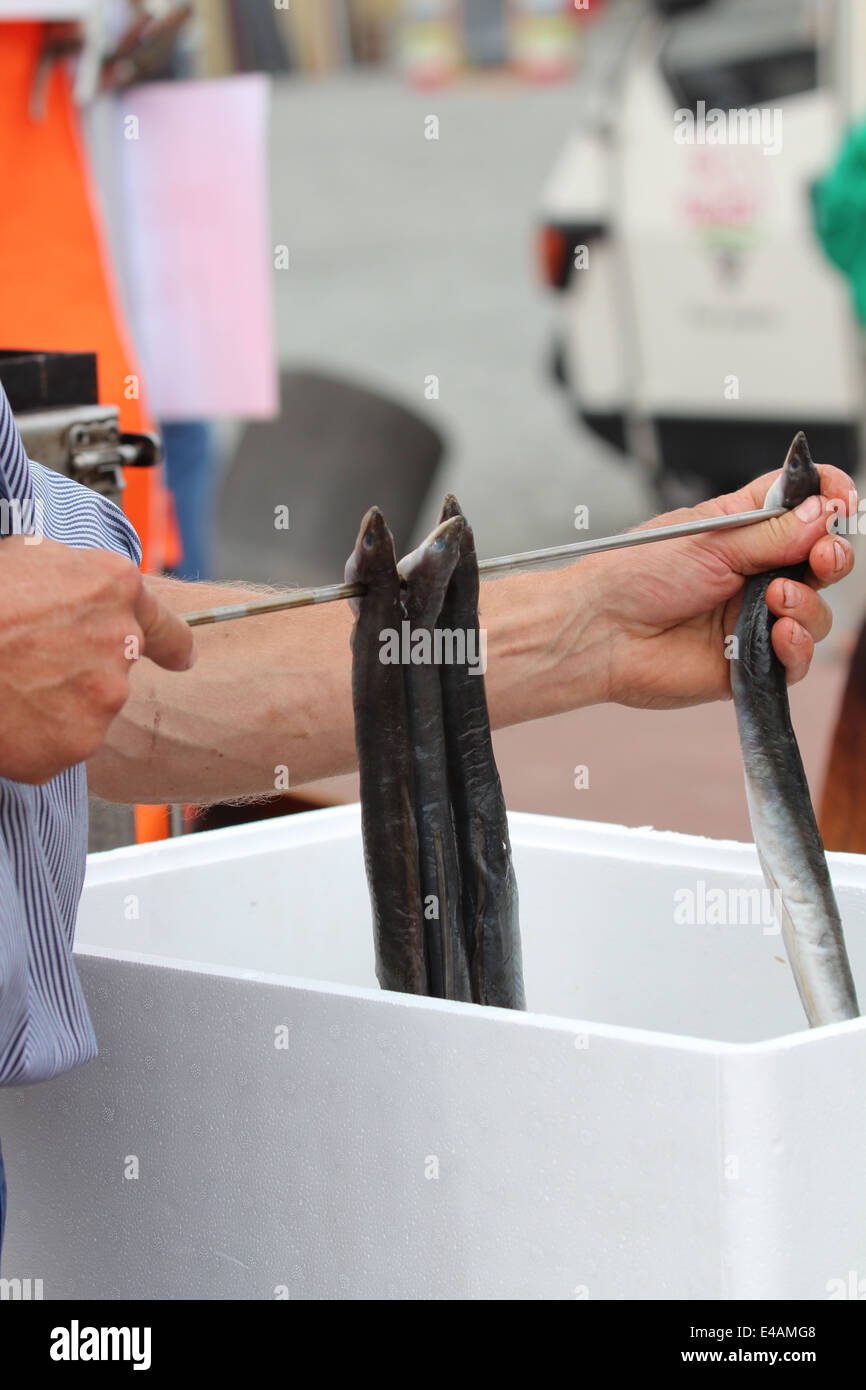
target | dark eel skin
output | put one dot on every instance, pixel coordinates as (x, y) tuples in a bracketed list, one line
[(780, 807), (489, 888), (426, 573), (385, 764)]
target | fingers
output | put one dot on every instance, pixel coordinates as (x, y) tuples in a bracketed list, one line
[(787, 540), (793, 537), (830, 559), (168, 640), (794, 647), (802, 605), (834, 484), (804, 617)]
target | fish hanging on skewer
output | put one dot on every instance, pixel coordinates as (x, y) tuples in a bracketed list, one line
[(382, 739), (780, 808), (425, 574), (490, 904), (433, 815)]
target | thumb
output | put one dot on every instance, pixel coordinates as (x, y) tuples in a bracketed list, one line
[(168, 640), (780, 540)]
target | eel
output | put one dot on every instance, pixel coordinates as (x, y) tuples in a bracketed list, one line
[(780, 808), (488, 885), (425, 574), (382, 739)]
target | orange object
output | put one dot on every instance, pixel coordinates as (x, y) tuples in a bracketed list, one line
[(552, 247), (151, 823), (842, 821), (56, 290)]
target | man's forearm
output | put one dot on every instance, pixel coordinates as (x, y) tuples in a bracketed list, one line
[(270, 698)]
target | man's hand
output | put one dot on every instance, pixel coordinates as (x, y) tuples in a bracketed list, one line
[(72, 624), (665, 609)]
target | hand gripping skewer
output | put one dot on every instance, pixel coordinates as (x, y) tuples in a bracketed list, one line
[(502, 564)]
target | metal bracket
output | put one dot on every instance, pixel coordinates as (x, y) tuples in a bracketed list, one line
[(98, 453)]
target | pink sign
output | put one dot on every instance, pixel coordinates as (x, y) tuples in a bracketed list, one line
[(198, 257)]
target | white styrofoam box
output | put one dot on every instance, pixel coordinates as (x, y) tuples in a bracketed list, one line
[(662, 1125)]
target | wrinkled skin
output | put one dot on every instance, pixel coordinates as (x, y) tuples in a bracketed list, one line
[(659, 614)]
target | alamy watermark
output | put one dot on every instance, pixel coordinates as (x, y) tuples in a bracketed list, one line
[(22, 516), (439, 646), (77, 1343), (846, 518), (746, 125), (852, 1287), (728, 907), (21, 1290)]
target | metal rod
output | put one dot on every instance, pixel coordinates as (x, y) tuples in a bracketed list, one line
[(502, 564)]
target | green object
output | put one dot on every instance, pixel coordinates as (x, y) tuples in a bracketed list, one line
[(839, 204)]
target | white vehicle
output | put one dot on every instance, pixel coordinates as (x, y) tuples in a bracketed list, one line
[(701, 323)]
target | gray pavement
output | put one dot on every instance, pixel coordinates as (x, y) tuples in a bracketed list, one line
[(671, 769), (412, 257)]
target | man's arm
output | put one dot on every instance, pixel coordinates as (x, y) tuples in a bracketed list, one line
[(643, 627), (274, 692)]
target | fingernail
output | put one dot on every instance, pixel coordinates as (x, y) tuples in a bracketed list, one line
[(791, 595), (839, 552), (811, 509), (193, 655), (797, 634)]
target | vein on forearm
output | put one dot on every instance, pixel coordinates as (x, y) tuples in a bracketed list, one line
[(275, 692)]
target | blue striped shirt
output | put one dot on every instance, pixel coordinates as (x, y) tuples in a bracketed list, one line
[(44, 1025)]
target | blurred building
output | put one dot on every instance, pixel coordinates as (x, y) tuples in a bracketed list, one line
[(431, 41), (309, 36)]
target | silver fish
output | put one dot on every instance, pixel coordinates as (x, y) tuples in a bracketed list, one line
[(780, 808), (385, 763), (425, 573)]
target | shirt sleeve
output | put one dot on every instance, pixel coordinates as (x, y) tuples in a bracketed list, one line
[(66, 511), (44, 1024)]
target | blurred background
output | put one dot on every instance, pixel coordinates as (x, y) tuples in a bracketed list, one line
[(342, 252)]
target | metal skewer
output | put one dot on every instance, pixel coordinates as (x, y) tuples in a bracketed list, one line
[(502, 564)]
